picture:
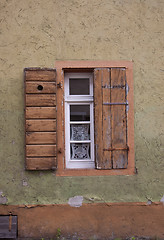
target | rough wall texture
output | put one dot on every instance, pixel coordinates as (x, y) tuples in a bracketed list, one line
[(35, 34), (98, 221)]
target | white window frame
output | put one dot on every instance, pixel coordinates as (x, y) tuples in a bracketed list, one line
[(78, 100)]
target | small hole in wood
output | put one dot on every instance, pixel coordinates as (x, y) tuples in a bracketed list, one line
[(40, 87)]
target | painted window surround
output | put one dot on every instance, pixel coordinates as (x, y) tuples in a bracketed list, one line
[(74, 66)]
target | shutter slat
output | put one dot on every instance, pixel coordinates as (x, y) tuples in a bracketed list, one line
[(118, 76), (47, 87), (40, 90), (40, 75), (118, 95), (102, 118), (40, 100), (40, 150), (98, 117), (40, 137), (120, 159), (40, 112), (119, 128), (106, 130), (41, 125), (44, 163)]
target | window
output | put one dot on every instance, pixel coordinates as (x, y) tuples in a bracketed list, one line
[(79, 121), (79, 118)]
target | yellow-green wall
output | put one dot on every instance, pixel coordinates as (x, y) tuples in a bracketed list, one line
[(36, 34)]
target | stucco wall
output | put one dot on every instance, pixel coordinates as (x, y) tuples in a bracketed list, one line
[(35, 34)]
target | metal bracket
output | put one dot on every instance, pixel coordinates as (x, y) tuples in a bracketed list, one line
[(116, 103), (112, 87), (59, 85)]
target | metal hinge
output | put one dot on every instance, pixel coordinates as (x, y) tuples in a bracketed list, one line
[(59, 85), (116, 103), (112, 87)]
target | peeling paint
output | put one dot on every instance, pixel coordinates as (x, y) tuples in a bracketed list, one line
[(149, 202), (162, 200), (76, 201), (3, 199), (25, 183)]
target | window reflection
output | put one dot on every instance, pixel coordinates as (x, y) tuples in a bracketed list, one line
[(79, 112), (79, 86)]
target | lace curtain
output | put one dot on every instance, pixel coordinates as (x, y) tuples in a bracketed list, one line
[(80, 132)]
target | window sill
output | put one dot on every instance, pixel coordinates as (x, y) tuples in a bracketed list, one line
[(95, 172)]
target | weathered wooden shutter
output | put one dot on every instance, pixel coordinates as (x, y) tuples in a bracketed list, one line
[(111, 150), (40, 117)]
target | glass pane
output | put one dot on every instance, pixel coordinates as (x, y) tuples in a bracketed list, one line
[(79, 112), (80, 132), (80, 151), (79, 86)]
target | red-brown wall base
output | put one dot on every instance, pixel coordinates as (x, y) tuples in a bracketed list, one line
[(96, 221)]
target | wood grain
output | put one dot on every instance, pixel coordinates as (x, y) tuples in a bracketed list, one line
[(118, 95), (44, 163), (40, 112), (40, 100), (60, 125), (98, 98), (118, 77), (120, 159), (40, 150), (106, 126), (48, 87), (46, 125), (119, 124), (40, 75), (40, 137), (102, 118)]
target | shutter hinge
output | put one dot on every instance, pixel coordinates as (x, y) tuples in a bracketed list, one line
[(111, 87), (116, 103), (59, 150), (59, 85)]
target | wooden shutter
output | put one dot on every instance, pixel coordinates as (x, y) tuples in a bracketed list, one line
[(111, 150), (40, 118)]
